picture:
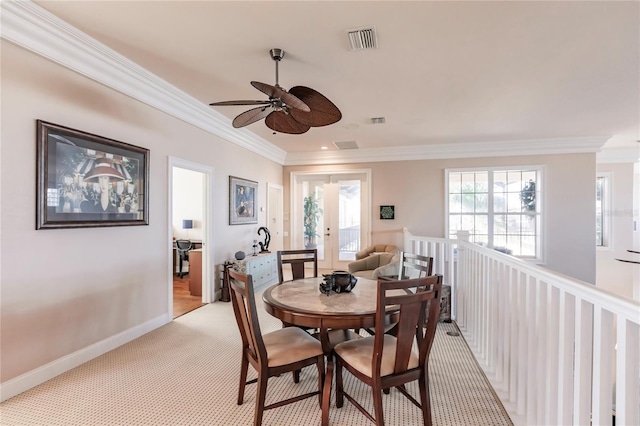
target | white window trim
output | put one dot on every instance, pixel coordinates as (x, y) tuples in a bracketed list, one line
[(607, 234), (540, 257)]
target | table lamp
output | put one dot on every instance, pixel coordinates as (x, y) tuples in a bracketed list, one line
[(187, 224)]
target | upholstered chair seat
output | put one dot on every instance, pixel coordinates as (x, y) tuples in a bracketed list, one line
[(359, 353), (289, 345)]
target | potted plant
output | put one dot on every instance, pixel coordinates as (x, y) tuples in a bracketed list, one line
[(312, 214)]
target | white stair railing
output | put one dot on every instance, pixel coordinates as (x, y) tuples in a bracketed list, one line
[(556, 350)]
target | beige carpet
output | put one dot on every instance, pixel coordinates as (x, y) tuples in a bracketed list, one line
[(186, 373)]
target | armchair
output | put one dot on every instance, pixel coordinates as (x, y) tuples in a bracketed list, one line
[(378, 248), (375, 265)]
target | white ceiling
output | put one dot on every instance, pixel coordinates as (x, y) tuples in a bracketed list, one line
[(444, 72)]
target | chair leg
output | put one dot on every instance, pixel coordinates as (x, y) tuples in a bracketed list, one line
[(180, 268), (296, 376), (377, 405), (260, 398), (425, 399), (339, 385), (243, 379)]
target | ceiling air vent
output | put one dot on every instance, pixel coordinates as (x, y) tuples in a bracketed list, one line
[(362, 38), (346, 145), (378, 120)]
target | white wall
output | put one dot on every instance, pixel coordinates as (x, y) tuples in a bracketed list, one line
[(64, 291), (417, 188)]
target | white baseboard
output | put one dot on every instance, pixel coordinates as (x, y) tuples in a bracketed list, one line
[(26, 381)]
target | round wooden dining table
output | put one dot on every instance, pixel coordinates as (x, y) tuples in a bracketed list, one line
[(301, 303)]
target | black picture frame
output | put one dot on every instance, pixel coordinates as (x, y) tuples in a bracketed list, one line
[(243, 196), (85, 180), (387, 212)]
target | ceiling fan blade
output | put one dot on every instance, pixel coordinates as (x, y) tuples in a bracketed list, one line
[(225, 103), (285, 123), (276, 92), (251, 116), (323, 111)]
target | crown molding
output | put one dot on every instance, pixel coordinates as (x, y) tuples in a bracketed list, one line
[(37, 30), (450, 150), (618, 155)]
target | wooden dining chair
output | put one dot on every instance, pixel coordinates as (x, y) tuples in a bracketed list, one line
[(298, 259), (384, 361), (414, 266), (285, 350)]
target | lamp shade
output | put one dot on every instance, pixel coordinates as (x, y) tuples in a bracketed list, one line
[(187, 224)]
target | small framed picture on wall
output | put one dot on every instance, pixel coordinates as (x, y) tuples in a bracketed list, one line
[(387, 212), (243, 196)]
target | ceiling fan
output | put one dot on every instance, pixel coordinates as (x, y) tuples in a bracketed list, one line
[(294, 111)]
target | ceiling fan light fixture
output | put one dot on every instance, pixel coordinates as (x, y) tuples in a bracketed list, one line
[(293, 112), (362, 38)]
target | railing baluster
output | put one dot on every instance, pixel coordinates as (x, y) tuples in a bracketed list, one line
[(582, 363), (532, 375), (602, 367), (551, 399), (566, 327), (627, 380)]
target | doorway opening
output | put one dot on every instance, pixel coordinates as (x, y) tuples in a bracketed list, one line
[(331, 212), (189, 234)]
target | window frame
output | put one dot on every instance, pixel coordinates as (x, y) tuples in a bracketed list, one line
[(540, 213), (606, 210)]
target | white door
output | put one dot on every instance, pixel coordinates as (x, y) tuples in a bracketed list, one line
[(342, 210), (274, 216)]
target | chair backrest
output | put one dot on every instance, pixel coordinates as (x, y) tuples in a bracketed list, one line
[(414, 266), (244, 307), (418, 305), (183, 245), (297, 259)]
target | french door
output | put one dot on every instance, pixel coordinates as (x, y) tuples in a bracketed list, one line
[(341, 214)]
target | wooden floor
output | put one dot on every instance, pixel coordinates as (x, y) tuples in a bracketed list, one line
[(183, 301)]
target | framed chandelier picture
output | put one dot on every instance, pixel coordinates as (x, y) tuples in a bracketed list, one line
[(86, 180)]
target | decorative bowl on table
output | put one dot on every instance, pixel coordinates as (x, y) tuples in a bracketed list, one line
[(338, 282)]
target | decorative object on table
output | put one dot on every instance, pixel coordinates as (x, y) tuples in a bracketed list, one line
[(243, 195), (85, 180), (264, 247), (239, 255), (255, 248), (312, 212), (387, 212), (292, 112), (338, 282)]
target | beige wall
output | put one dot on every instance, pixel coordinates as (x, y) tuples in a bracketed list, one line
[(613, 275), (416, 188), (65, 289)]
